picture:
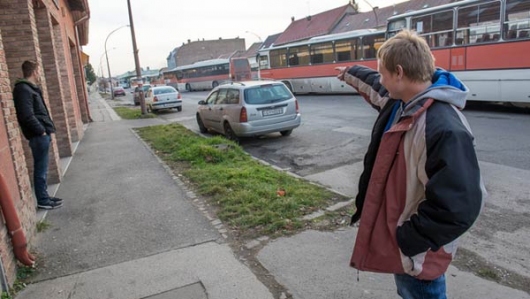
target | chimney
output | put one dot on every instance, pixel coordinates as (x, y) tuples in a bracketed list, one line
[(292, 19), (308, 18), (189, 41)]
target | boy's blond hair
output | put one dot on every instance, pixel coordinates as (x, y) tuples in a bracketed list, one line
[(411, 52)]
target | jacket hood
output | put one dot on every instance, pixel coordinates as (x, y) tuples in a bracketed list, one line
[(27, 82), (445, 88)]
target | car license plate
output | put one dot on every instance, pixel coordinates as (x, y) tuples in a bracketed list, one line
[(272, 111)]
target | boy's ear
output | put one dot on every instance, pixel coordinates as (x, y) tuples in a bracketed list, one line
[(399, 71)]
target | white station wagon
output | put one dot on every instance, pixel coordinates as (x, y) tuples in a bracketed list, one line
[(250, 108)]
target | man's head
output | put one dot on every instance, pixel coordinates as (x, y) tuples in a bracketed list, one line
[(30, 69), (404, 59)]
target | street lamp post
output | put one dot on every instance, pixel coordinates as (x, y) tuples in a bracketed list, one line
[(375, 13), (101, 70), (107, 57), (137, 60)]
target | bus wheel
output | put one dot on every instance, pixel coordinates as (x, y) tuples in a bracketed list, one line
[(215, 84), (229, 133), (288, 86), (188, 87)]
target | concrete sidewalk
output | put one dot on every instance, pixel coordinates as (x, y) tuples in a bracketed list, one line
[(131, 229)]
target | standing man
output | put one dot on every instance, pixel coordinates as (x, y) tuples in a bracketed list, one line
[(421, 187), (37, 126)]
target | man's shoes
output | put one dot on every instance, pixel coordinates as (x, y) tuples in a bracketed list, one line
[(49, 205), (56, 199)]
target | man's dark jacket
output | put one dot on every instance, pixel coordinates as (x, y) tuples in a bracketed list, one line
[(32, 113)]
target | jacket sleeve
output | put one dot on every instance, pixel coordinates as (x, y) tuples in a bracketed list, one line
[(366, 81), (25, 114), (453, 193)]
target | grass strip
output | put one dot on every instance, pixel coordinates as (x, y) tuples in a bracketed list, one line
[(244, 191), (132, 113)]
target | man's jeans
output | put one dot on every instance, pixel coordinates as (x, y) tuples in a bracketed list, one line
[(409, 287), (40, 147)]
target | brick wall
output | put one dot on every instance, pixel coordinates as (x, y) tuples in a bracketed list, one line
[(13, 169), (41, 31), (54, 84), (21, 43)]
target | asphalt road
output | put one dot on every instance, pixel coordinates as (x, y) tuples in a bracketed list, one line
[(335, 131)]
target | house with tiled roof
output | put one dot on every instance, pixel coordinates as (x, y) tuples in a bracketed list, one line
[(347, 18), (319, 24), (377, 18)]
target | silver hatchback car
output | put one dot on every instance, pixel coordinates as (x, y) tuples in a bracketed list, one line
[(250, 108), (163, 97)]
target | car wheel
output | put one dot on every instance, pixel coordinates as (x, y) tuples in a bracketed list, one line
[(179, 108), (188, 87), (229, 133), (202, 128), (215, 84), (286, 132)]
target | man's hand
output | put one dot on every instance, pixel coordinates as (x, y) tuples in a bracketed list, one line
[(342, 71)]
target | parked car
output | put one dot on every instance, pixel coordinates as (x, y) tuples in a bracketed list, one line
[(163, 97), (145, 88), (250, 108), (118, 91)]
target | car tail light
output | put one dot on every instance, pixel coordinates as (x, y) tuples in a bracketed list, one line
[(243, 117), (179, 96), (297, 108), (155, 99)]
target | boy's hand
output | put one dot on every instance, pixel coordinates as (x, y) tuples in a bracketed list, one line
[(342, 71)]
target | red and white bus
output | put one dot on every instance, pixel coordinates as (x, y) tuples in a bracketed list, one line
[(208, 74), (485, 43), (309, 66)]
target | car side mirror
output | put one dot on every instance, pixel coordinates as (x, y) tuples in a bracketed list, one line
[(202, 102)]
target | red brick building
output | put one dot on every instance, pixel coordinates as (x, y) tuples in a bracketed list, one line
[(50, 32)]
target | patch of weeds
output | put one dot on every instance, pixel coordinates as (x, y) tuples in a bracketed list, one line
[(488, 274), (42, 226), (467, 260), (24, 273), (132, 113)]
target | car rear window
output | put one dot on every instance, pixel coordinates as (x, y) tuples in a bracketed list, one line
[(266, 94), (163, 90)]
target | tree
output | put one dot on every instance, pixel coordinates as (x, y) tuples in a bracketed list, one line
[(90, 75)]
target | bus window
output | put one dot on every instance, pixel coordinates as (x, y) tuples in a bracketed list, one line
[(517, 17), (264, 62), (370, 45), (346, 50), (322, 53), (278, 58), (299, 56), (479, 23), (436, 28), (395, 26)]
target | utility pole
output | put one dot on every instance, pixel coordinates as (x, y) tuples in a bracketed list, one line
[(137, 61)]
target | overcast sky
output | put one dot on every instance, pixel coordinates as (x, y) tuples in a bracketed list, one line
[(162, 25)]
